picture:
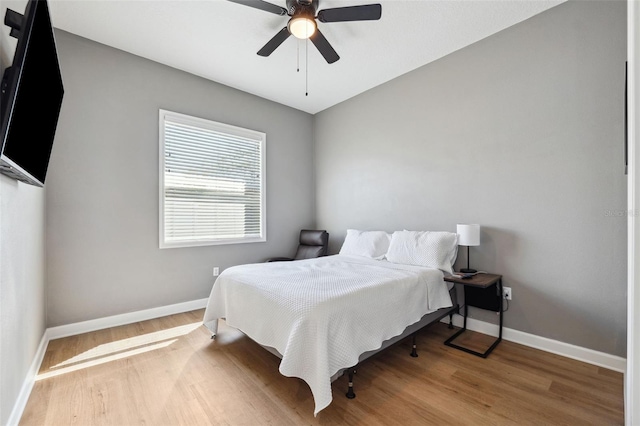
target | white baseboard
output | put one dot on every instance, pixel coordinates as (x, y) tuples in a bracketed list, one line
[(27, 385), (579, 353), (123, 319)]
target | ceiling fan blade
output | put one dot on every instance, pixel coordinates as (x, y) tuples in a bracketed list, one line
[(367, 12), (276, 41), (324, 47), (262, 5)]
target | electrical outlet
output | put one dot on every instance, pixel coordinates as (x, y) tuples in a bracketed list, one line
[(216, 271), (506, 293)]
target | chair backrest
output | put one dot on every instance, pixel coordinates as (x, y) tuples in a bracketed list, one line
[(313, 243)]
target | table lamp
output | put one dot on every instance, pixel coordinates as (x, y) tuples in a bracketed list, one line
[(468, 235)]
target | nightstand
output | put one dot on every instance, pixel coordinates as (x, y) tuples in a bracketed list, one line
[(482, 291)]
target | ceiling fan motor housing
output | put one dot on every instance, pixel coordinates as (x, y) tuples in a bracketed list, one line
[(302, 7)]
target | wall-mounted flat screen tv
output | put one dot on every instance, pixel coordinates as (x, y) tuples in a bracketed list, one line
[(32, 93)]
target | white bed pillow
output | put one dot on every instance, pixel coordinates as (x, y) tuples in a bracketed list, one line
[(424, 248), (373, 244)]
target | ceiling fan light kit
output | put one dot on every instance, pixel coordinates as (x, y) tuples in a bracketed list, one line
[(302, 23), (302, 27)]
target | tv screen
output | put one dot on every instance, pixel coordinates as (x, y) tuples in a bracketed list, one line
[(33, 93)]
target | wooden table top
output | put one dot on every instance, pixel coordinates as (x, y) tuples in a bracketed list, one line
[(480, 279)]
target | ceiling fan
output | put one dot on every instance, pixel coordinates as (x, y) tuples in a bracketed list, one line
[(302, 23)]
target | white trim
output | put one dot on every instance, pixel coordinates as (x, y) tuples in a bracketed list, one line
[(29, 380), (123, 319), (205, 124), (579, 353), (632, 376)]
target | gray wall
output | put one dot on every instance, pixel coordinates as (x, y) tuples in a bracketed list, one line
[(22, 266), (521, 132), (102, 189)]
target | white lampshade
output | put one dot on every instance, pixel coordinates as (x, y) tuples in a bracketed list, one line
[(468, 235)]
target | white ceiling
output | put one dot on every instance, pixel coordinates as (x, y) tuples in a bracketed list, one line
[(218, 40)]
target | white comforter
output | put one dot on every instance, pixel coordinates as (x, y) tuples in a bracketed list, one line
[(321, 314)]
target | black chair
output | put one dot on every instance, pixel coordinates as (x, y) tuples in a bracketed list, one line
[(313, 243)]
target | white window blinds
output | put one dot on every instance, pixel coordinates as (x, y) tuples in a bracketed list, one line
[(211, 182)]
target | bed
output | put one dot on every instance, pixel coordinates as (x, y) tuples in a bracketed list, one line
[(323, 316)]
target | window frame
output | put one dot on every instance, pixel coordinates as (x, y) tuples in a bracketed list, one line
[(217, 127)]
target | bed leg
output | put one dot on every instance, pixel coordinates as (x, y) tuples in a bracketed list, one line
[(451, 320), (214, 328), (413, 349), (350, 393)]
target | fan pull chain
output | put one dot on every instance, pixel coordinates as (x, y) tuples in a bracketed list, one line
[(298, 56), (306, 68)]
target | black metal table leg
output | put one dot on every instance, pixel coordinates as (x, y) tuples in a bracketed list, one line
[(449, 341)]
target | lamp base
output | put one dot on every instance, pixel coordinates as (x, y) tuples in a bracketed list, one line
[(468, 271)]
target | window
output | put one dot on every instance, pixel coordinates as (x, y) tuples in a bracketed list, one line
[(211, 182)]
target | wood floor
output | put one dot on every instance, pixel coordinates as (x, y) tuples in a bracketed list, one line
[(168, 372)]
